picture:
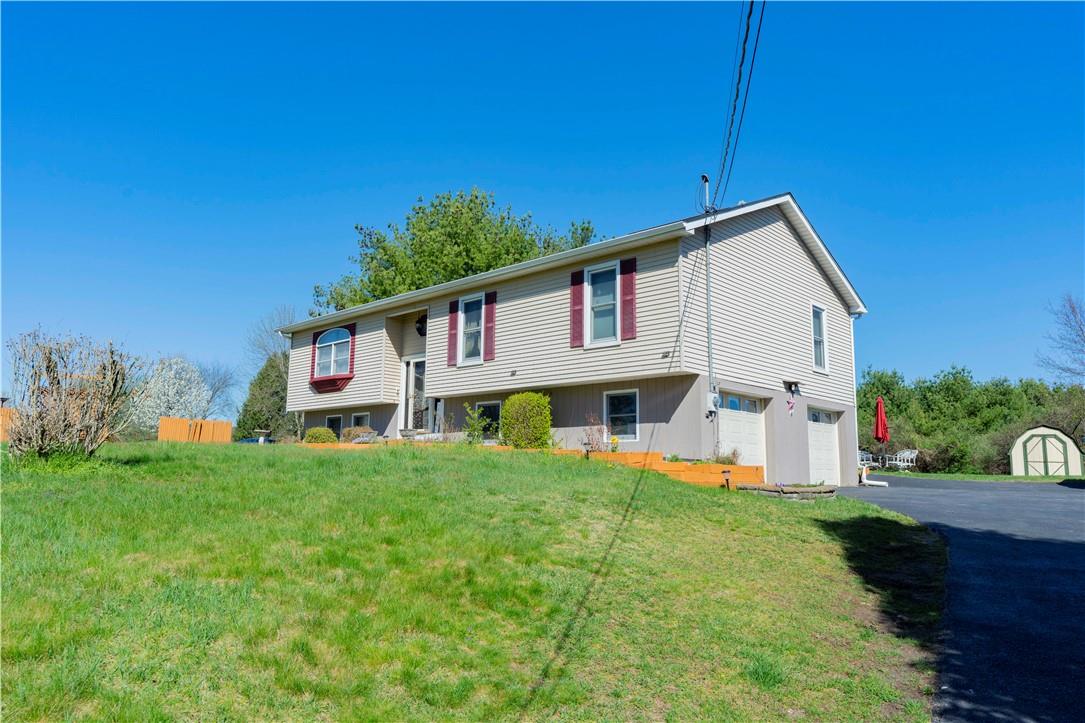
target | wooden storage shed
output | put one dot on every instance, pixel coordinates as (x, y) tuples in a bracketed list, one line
[(1047, 451)]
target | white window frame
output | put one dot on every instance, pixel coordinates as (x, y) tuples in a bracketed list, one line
[(824, 338), (338, 435), (498, 402), (355, 415), (460, 327), (825, 416), (589, 337), (725, 402), (636, 406), (332, 344)]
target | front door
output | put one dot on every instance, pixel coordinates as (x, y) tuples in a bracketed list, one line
[(416, 412)]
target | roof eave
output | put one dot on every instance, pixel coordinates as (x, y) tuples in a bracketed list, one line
[(676, 229)]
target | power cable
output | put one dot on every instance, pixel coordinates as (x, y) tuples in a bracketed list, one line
[(734, 106), (745, 98)]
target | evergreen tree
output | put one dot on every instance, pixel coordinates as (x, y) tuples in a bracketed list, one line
[(265, 405)]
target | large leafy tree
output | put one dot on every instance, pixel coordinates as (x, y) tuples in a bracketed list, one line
[(449, 237)]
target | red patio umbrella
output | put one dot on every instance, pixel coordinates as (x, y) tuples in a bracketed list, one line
[(881, 424)]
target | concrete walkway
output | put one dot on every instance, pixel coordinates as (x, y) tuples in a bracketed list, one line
[(1014, 645)]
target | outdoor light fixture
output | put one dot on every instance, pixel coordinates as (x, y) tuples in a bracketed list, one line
[(791, 387)]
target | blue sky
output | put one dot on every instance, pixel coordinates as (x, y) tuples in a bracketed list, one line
[(172, 171)]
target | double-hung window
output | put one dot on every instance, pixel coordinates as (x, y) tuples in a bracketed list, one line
[(471, 330), (821, 363), (333, 353), (603, 303), (621, 410)]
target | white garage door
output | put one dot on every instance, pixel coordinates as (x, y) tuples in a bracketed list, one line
[(742, 427), (824, 454)]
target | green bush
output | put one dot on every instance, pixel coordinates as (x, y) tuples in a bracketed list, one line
[(475, 425), (352, 433), (525, 420), (320, 435)]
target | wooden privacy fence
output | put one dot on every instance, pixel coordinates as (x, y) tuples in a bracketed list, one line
[(207, 431), (5, 423)]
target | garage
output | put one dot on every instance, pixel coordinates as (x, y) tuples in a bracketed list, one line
[(824, 446), (742, 428)]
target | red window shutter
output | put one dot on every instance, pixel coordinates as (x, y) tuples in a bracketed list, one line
[(576, 309), (489, 322), (453, 326), (628, 269)]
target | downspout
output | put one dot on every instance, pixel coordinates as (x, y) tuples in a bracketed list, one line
[(854, 382), (712, 387)]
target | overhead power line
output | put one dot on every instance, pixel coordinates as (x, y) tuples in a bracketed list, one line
[(745, 98), (727, 155)]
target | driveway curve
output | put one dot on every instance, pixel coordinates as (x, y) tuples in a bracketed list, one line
[(1014, 625)]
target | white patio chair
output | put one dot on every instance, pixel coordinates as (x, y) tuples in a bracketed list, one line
[(904, 459)]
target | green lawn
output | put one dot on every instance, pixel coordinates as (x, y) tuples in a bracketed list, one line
[(176, 581), (969, 477)]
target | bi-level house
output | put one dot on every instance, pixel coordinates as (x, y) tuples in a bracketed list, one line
[(730, 330)]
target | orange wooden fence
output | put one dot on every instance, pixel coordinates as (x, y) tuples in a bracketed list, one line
[(176, 429), (5, 423)]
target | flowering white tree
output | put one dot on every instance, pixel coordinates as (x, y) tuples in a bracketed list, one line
[(176, 388)]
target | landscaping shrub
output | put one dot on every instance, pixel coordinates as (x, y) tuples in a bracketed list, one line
[(525, 420), (475, 425), (69, 394), (320, 435), (352, 433)]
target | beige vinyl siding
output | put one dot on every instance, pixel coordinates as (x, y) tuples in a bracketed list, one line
[(764, 283), (382, 417), (411, 342), (364, 388), (532, 332)]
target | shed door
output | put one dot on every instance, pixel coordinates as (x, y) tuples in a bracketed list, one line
[(1045, 454), (742, 428), (824, 452)]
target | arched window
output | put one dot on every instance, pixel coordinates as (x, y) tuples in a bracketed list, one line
[(333, 353)]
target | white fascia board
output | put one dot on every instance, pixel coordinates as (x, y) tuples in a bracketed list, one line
[(809, 236), (640, 238)]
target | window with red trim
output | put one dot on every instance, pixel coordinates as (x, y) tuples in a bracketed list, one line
[(333, 359)]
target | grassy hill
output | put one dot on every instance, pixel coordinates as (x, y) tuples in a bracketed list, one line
[(176, 581)]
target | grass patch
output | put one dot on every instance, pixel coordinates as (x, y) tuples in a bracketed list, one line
[(969, 477), (243, 582)]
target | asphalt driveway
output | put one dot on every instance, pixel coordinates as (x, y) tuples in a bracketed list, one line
[(1014, 637)]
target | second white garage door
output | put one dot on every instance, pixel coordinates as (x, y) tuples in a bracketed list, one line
[(824, 450)]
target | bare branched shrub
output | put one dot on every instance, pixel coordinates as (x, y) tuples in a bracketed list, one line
[(595, 437), (69, 394)]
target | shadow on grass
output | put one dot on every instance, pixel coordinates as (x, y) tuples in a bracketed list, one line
[(1009, 644), (554, 668), (904, 565)]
